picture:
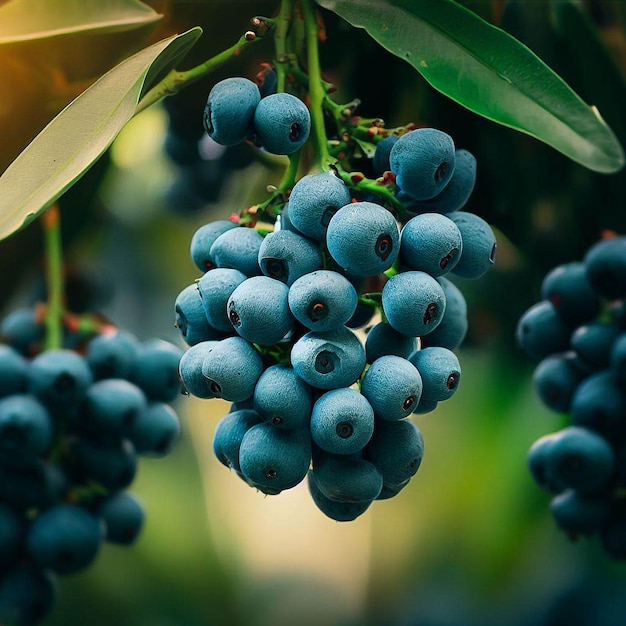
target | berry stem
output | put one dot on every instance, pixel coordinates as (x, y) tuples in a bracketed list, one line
[(283, 24), (54, 277)]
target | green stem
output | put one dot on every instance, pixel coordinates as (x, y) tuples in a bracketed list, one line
[(54, 278), (317, 92), (177, 80), (283, 23)]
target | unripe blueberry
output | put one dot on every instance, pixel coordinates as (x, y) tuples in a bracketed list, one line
[(156, 430), (452, 329), (605, 263), (190, 318), (363, 238), (258, 310), (229, 434), (431, 243), (215, 287), (123, 518), (423, 161), (479, 245), (338, 511), (393, 387), (202, 241), (541, 331), (414, 303), (314, 200), (230, 110), (282, 123), (344, 478), (238, 248), (233, 367), (25, 428), (286, 256), (322, 300), (380, 161), (190, 370), (330, 359), (156, 370), (342, 421), (441, 374), (112, 355), (13, 371)]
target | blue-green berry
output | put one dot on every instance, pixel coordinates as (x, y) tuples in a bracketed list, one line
[(229, 434), (541, 331), (336, 510), (190, 318), (112, 355), (382, 339), (578, 513), (380, 161), (27, 595), (286, 256), (215, 287), (123, 517), (556, 378), (13, 371), (26, 429), (156, 430), (238, 248), (190, 370), (605, 264), (451, 331), (156, 370), (282, 123), (202, 241), (479, 245), (441, 374), (593, 344)]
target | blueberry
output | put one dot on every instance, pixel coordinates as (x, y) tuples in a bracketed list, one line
[(287, 256), (190, 370), (183, 151), (25, 428), (338, 511), (441, 374), (156, 370), (230, 109), (541, 331), (578, 513), (452, 329), (215, 287), (202, 241), (27, 595), (618, 358), (363, 314), (322, 300), (232, 367), (423, 161), (65, 538), (238, 248), (431, 243), (330, 359), (479, 245), (390, 490), (363, 238), (282, 398), (22, 330), (346, 479), (12, 532), (414, 303), (380, 161), (314, 200), (190, 318), (393, 386), (342, 421), (229, 434), (123, 518), (556, 379), (396, 449), (273, 460), (282, 123), (537, 456), (32, 485), (13, 371), (258, 310), (155, 430), (605, 264), (111, 465), (112, 355), (382, 339), (593, 344)]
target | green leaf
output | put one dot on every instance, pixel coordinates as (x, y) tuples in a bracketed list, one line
[(67, 147), (487, 71), (27, 20)]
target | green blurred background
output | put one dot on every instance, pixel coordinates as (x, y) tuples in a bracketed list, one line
[(470, 542)]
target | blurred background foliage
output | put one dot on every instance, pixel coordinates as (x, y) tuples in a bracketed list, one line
[(470, 542)]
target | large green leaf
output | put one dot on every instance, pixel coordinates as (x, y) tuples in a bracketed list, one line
[(486, 70), (27, 20), (67, 147)]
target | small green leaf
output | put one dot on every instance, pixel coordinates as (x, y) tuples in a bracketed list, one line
[(487, 71), (27, 20), (67, 147)]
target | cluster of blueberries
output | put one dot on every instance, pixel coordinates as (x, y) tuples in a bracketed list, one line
[(577, 335), (71, 428), (271, 321)]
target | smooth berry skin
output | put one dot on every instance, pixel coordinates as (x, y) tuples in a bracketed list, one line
[(286, 256), (568, 289), (452, 329), (202, 240), (382, 340), (190, 318), (12, 533), (414, 303), (618, 358), (479, 245), (580, 514), (282, 398), (229, 435), (59, 379), (233, 368), (555, 379), (65, 538), (335, 510), (27, 595), (32, 485), (273, 460), (423, 161), (190, 370), (112, 355), (22, 331), (156, 430), (541, 331), (156, 370), (238, 249), (393, 386), (441, 374), (431, 243), (346, 479), (330, 359), (363, 314), (282, 123), (258, 310), (380, 161), (536, 458), (342, 421), (579, 459), (13, 371), (396, 449), (363, 238), (322, 300), (593, 344), (26, 429), (314, 200), (123, 517), (114, 466), (391, 491), (230, 110), (605, 265), (215, 287)]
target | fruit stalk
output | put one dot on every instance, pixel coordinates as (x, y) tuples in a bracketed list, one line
[(283, 23), (54, 277)]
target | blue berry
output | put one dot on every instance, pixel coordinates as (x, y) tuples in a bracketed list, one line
[(451, 331), (556, 379), (230, 109), (282, 123), (390, 490), (541, 331), (190, 318), (238, 248), (338, 511), (229, 434), (383, 339), (112, 465), (27, 595), (215, 287), (202, 241), (22, 330), (25, 428), (286, 256), (479, 245), (32, 485), (441, 374), (593, 344), (578, 513), (123, 518), (155, 430), (156, 370), (346, 479), (190, 370), (13, 371), (618, 358), (12, 533), (537, 456), (380, 161), (605, 264), (112, 355)]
